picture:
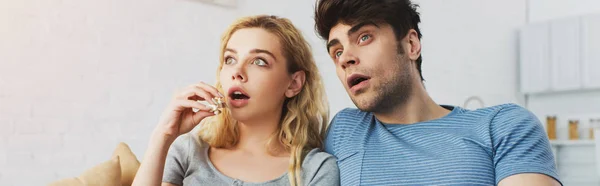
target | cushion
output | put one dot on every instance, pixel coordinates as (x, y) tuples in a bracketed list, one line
[(104, 174), (107, 173), (129, 163), (67, 182)]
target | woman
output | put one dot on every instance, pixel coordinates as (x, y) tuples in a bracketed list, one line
[(271, 128)]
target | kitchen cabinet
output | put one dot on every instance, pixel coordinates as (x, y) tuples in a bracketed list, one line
[(560, 55), (591, 51), (535, 58), (565, 52)]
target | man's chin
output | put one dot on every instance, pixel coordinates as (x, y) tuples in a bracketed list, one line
[(363, 103)]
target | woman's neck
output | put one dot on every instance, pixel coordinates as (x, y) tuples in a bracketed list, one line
[(255, 135)]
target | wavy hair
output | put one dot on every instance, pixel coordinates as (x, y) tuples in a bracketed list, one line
[(304, 116)]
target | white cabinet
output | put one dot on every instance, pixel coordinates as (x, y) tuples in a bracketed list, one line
[(565, 54), (591, 51), (560, 55), (535, 58)]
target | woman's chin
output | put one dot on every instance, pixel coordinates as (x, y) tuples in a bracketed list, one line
[(251, 114), (241, 116)]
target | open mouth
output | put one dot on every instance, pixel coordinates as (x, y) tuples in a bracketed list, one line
[(237, 93), (356, 79)]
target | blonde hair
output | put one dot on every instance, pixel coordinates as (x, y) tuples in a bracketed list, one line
[(304, 117)]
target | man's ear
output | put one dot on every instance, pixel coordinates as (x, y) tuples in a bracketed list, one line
[(413, 45), (298, 79)]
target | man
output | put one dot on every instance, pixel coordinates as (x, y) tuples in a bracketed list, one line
[(399, 135)]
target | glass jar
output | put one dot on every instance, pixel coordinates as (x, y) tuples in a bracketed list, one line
[(551, 127), (573, 133)]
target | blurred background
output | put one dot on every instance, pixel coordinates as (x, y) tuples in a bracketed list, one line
[(77, 77)]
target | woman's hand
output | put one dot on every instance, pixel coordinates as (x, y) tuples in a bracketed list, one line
[(179, 116)]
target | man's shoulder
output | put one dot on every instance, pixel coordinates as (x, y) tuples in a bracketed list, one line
[(350, 117), (347, 124), (351, 113), (508, 116), (497, 108), (500, 112), (510, 112)]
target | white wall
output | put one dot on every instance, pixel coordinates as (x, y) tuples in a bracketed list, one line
[(76, 77), (544, 10), (576, 163), (469, 49)]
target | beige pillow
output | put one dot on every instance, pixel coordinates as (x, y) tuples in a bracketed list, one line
[(129, 163), (107, 173), (67, 182), (104, 174)]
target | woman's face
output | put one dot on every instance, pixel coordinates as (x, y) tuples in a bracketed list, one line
[(254, 75)]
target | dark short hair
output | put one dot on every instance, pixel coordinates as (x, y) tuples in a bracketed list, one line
[(401, 15)]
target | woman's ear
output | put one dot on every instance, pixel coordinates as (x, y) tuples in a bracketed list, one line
[(298, 79)]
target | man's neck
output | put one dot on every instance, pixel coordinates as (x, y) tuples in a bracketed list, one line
[(418, 108)]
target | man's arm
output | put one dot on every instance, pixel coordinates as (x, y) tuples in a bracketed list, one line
[(522, 153), (529, 179)]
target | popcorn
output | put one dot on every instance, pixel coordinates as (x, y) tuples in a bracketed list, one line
[(219, 104), (214, 108)]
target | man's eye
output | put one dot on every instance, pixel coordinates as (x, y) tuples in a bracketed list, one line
[(259, 62), (364, 38), (229, 61), (338, 54)]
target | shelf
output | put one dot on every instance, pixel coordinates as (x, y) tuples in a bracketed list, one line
[(562, 92), (572, 142)]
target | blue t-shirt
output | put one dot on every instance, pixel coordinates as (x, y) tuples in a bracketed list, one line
[(465, 147)]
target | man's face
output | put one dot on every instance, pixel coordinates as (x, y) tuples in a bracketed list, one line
[(369, 64)]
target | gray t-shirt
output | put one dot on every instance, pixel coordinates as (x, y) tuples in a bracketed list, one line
[(187, 163)]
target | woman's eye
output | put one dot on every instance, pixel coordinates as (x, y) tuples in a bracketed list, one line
[(259, 62), (229, 61)]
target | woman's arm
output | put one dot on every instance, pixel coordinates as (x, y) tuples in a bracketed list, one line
[(327, 174), (153, 165), (177, 119)]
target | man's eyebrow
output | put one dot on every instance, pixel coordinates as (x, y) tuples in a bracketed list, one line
[(352, 30), (358, 26), (332, 43)]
